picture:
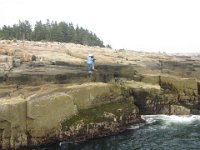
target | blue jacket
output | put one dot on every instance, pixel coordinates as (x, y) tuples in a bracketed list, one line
[(90, 60)]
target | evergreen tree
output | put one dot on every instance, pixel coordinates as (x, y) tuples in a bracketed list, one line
[(39, 32), (56, 32), (71, 34), (48, 31), (60, 32), (7, 32), (108, 46), (16, 31), (25, 30)]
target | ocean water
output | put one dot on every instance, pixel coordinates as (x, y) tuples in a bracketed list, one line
[(160, 132)]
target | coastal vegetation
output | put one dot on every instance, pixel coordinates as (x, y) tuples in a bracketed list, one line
[(50, 31)]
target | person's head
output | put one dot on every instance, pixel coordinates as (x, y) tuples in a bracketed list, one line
[(90, 55)]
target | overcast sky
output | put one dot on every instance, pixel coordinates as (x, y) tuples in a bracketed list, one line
[(147, 25)]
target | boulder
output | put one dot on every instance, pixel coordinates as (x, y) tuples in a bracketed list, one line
[(179, 110), (16, 62)]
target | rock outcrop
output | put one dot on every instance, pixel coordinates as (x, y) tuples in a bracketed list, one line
[(47, 95), (169, 99), (37, 115)]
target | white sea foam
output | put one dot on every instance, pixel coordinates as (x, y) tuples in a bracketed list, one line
[(134, 127), (167, 119), (137, 126), (164, 121)]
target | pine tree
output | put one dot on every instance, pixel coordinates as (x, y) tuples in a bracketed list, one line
[(61, 32), (39, 32), (48, 31)]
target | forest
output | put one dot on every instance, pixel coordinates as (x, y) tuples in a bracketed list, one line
[(50, 31)]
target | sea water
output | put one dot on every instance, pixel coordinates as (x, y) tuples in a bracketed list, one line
[(160, 132)]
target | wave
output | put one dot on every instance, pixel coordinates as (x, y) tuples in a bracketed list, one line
[(185, 119), (155, 122)]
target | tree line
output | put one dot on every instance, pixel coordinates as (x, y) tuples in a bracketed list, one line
[(50, 31)]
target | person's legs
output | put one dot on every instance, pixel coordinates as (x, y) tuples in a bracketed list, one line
[(89, 67), (93, 66)]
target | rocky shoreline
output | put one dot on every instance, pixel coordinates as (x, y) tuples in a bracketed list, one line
[(47, 94)]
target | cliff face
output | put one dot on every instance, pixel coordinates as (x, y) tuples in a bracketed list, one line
[(47, 95), (41, 114), (170, 99)]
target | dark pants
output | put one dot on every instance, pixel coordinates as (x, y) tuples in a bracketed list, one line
[(90, 67)]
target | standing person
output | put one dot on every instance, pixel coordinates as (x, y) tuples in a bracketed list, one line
[(90, 62)]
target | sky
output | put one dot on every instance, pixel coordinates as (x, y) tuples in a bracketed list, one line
[(171, 26)]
